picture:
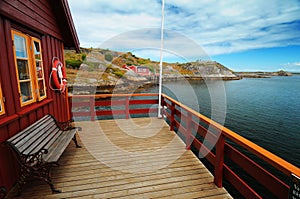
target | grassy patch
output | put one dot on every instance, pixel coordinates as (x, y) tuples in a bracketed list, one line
[(73, 63)]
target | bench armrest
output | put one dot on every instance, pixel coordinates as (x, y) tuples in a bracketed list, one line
[(65, 125), (35, 159), (68, 125)]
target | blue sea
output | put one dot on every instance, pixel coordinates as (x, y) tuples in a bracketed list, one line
[(265, 110)]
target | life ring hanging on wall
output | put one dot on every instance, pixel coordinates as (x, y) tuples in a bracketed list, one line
[(58, 75)]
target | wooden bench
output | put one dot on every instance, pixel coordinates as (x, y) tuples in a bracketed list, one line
[(39, 147)]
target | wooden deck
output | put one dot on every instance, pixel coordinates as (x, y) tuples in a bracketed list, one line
[(135, 158)]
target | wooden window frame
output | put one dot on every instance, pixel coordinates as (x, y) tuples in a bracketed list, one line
[(37, 79), (2, 100), (31, 61)]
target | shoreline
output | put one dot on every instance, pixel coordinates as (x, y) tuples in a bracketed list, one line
[(129, 86), (141, 85), (262, 74)]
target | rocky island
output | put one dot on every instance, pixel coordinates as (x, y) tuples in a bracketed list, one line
[(263, 74), (106, 71)]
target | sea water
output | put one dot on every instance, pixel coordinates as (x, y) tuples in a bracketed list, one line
[(264, 110)]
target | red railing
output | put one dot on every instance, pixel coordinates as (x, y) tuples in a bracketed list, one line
[(221, 147), (116, 105), (195, 127)]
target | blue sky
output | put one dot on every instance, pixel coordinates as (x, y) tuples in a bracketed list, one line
[(247, 35)]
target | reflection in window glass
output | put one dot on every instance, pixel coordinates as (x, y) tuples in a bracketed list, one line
[(20, 45), (39, 70), (37, 52), (26, 93), (41, 88), (23, 69)]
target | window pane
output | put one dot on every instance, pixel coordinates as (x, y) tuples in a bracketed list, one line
[(26, 91), (20, 45), (23, 69), (41, 88), (37, 51), (39, 70)]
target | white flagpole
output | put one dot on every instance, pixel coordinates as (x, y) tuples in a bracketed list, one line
[(161, 57)]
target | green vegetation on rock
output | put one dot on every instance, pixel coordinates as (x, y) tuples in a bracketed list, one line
[(73, 59), (74, 63), (116, 71), (108, 57)]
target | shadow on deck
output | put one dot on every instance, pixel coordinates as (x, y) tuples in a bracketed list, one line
[(136, 158)]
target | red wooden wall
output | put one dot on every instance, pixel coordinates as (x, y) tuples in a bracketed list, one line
[(35, 14), (33, 17)]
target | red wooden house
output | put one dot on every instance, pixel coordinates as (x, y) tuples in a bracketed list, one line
[(141, 70), (31, 34)]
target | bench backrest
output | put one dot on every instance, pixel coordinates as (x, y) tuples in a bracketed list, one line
[(35, 137)]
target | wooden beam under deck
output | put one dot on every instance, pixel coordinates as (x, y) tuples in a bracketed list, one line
[(135, 158)]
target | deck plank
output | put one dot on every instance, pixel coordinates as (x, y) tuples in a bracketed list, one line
[(136, 158)]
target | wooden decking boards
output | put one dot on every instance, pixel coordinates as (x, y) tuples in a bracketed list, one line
[(135, 158)]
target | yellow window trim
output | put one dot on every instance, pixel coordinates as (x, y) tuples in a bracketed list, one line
[(2, 111), (39, 98), (29, 68), (29, 42)]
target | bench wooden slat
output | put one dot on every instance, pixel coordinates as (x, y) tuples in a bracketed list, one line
[(34, 136), (26, 135), (59, 146), (41, 141), (16, 138), (55, 137)]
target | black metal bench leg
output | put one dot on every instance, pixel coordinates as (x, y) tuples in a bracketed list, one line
[(22, 180), (2, 192), (75, 141), (52, 188), (20, 187), (47, 179)]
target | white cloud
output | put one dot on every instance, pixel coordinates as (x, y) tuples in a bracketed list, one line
[(175, 44), (218, 26), (297, 64)]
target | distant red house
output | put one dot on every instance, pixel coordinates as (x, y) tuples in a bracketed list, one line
[(31, 34), (141, 70)]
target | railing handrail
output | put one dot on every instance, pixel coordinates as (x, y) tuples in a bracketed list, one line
[(279, 163), (115, 95), (123, 100)]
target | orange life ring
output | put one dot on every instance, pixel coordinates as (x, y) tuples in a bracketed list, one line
[(59, 75)]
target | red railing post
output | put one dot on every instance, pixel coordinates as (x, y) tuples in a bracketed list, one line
[(189, 139), (172, 122), (92, 107), (219, 161), (70, 107), (127, 107), (162, 110)]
